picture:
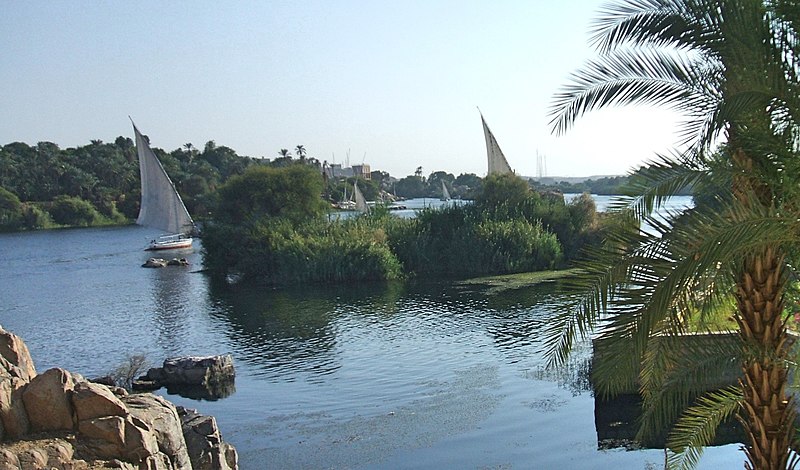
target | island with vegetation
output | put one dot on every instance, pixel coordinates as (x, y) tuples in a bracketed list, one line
[(270, 226)]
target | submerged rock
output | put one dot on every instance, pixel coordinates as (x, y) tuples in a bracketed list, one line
[(194, 370), (161, 262), (155, 263)]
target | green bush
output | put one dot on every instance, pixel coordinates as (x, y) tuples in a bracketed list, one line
[(35, 218), (10, 210), (73, 211), (275, 251)]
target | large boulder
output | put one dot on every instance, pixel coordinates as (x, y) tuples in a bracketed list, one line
[(13, 418), (162, 420), (14, 350), (103, 437), (16, 370), (47, 401), (91, 400)]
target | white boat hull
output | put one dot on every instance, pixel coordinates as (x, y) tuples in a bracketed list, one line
[(170, 243)]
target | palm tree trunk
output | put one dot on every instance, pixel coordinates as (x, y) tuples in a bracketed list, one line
[(768, 413)]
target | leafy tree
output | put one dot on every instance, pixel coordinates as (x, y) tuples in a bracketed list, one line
[(467, 185), (382, 178), (291, 193), (502, 189), (730, 66), (10, 209), (67, 210), (410, 187)]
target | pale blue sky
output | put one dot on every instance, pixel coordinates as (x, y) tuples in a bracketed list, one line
[(396, 83)]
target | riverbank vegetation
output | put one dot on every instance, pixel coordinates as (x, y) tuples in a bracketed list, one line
[(44, 186), (509, 228)]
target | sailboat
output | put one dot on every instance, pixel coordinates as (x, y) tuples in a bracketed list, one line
[(361, 203), (445, 192), (497, 161), (346, 204), (161, 207)]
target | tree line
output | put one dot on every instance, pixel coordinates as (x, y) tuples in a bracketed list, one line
[(44, 186)]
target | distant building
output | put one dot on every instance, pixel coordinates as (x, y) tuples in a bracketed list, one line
[(362, 171)]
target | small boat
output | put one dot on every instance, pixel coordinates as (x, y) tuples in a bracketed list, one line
[(161, 206)]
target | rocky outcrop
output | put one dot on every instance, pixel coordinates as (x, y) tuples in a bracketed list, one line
[(69, 423), (206, 448)]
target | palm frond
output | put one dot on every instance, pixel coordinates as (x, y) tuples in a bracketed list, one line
[(660, 179), (698, 425), (646, 76), (676, 369), (660, 23)]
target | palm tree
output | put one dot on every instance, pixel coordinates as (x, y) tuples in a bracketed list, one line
[(284, 153), (731, 67), (300, 151)]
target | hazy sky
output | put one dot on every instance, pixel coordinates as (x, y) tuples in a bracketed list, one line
[(395, 83)]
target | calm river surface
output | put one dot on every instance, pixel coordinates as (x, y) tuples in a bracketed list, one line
[(417, 375)]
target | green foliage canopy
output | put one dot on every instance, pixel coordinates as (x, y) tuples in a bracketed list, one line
[(291, 192)]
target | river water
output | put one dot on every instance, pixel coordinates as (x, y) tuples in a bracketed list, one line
[(401, 375)]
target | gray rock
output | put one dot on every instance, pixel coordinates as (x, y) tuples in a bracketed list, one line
[(207, 449), (162, 420), (194, 370), (155, 263)]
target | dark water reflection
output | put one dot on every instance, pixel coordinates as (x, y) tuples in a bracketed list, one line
[(397, 375)]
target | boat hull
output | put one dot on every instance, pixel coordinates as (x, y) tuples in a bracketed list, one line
[(177, 244)]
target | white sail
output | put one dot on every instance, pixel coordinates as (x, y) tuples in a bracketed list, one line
[(161, 205), (497, 161), (445, 192), (361, 203)]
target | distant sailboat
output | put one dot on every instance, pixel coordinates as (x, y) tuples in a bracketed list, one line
[(445, 192), (346, 204), (161, 207), (497, 161), (361, 203)]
